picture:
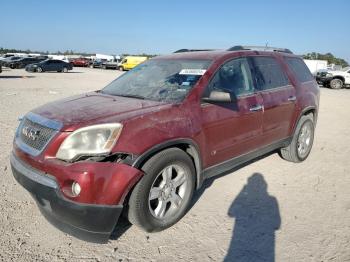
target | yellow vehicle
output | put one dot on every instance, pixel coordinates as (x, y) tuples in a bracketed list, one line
[(129, 62)]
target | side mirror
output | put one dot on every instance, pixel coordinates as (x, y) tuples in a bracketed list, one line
[(218, 96)]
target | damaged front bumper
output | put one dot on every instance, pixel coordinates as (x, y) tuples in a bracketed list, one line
[(89, 222)]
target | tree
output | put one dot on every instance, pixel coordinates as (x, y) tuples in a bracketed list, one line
[(328, 56)]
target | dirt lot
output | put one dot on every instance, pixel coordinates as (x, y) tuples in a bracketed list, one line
[(296, 212)]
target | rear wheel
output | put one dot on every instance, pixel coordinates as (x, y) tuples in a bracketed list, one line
[(65, 70), (300, 147), (162, 196), (121, 68), (336, 83)]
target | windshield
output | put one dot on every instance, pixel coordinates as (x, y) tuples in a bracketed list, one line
[(159, 80)]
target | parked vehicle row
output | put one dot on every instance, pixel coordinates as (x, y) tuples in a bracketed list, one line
[(24, 61), (30, 63)]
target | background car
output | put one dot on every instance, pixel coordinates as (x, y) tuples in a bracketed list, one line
[(113, 64), (98, 63), (335, 79), (23, 62), (81, 62), (130, 62), (49, 65), (7, 61)]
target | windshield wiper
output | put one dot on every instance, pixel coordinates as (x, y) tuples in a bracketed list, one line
[(130, 95)]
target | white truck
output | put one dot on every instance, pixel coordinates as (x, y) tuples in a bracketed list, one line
[(334, 79)]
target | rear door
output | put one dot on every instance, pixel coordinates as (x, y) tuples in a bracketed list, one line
[(234, 128), (279, 98)]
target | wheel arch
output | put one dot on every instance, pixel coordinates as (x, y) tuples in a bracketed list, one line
[(306, 111), (339, 77), (187, 145)]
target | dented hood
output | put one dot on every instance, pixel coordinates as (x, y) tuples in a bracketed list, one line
[(95, 108)]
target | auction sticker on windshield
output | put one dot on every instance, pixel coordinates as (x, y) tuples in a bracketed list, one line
[(198, 72)]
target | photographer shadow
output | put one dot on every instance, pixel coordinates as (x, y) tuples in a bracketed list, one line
[(257, 218)]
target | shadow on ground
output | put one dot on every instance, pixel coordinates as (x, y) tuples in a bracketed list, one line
[(14, 77), (257, 217)]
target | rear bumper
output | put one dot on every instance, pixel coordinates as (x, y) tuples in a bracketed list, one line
[(89, 222)]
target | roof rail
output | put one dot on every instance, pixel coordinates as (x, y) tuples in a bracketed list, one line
[(260, 48), (184, 50)]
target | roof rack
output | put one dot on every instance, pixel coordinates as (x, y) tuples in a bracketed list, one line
[(260, 48), (184, 50)]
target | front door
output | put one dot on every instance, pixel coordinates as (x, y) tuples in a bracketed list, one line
[(231, 128)]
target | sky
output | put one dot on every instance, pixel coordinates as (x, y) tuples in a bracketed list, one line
[(161, 27)]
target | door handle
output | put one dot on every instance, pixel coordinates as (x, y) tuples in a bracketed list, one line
[(256, 108), (292, 98)]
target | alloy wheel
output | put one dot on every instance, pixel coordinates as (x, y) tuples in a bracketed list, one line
[(305, 139), (167, 191)]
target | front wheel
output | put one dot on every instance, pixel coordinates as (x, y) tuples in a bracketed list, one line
[(162, 196), (39, 69), (336, 83), (121, 68), (302, 141)]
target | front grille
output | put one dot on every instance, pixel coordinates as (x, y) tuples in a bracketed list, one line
[(35, 135)]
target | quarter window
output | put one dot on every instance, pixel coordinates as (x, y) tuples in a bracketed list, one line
[(233, 77), (268, 73), (300, 70)]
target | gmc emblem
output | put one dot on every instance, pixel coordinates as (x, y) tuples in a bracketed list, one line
[(30, 132)]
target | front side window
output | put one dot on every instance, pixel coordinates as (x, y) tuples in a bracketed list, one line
[(233, 77), (159, 80), (268, 73)]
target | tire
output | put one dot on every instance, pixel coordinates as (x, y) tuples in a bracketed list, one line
[(162, 210), (39, 70), (121, 68), (303, 138), (336, 83), (65, 70)]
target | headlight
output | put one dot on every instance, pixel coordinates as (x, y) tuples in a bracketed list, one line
[(91, 140), (329, 75)]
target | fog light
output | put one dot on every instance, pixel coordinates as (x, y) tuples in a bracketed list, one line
[(76, 189)]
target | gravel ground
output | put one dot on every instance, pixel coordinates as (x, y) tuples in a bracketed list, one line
[(295, 212)]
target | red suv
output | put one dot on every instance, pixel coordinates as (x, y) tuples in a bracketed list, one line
[(148, 140)]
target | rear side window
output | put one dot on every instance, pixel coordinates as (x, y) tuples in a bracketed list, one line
[(268, 73), (300, 70)]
